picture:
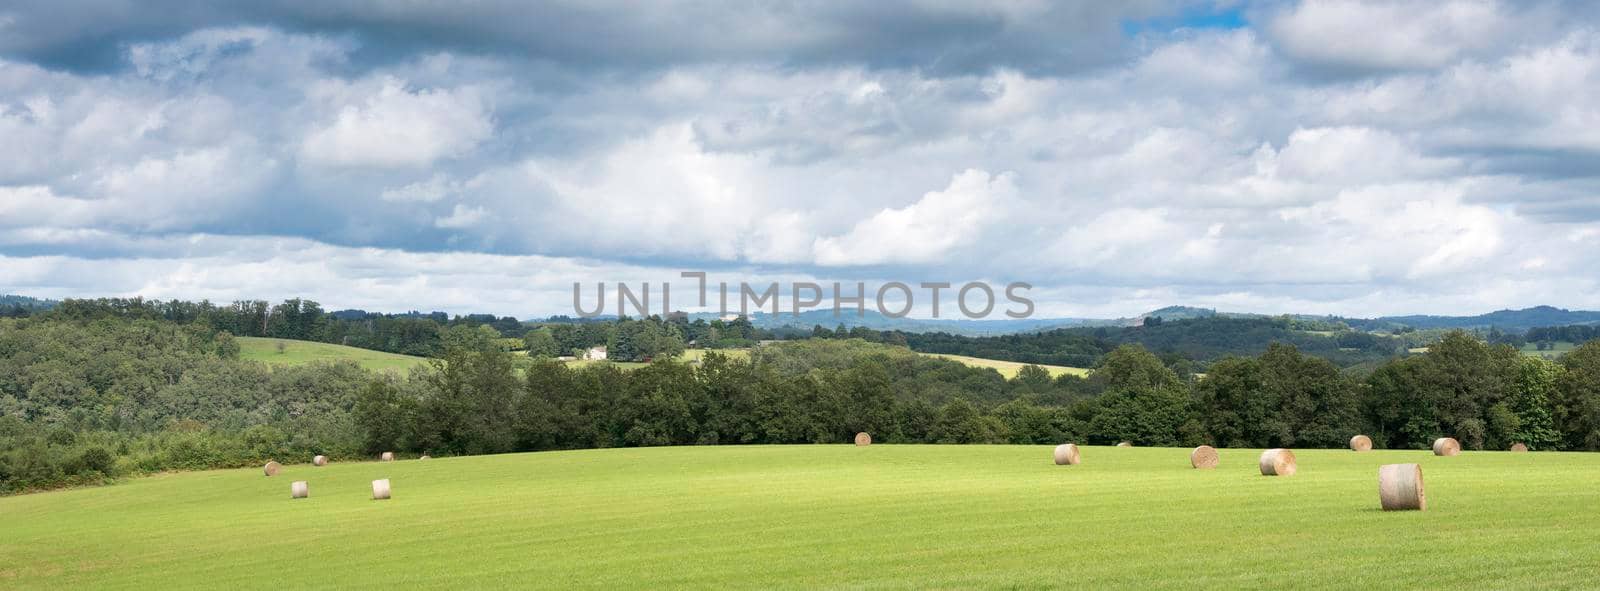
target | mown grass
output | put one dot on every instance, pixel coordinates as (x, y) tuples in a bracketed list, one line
[(1556, 350), (1009, 368), (298, 352), (886, 516)]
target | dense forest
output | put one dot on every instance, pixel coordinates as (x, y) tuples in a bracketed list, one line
[(414, 333), (86, 398), (1201, 340)]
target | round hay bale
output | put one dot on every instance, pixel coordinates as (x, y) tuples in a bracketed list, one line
[(1361, 443), (1400, 487), (1446, 446), (1278, 462), (1519, 447), (380, 489), (272, 468), (299, 490), (319, 461), (1125, 444), (387, 456), (1203, 457), (1066, 454), (863, 439)]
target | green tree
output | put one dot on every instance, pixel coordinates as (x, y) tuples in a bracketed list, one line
[(1530, 403), (1144, 402), (1578, 412), (960, 422), (541, 344), (1032, 378)]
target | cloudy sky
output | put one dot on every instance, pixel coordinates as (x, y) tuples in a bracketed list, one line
[(1326, 156)]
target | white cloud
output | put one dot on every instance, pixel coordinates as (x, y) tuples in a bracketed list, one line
[(1389, 34), (392, 126), (462, 216), (926, 231), (435, 188)]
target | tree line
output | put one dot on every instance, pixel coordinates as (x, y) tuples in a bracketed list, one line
[(822, 391), (82, 400)]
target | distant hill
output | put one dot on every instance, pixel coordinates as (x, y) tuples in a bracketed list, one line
[(1515, 321), (876, 321), (1508, 320), (1203, 339), (1505, 320), (1181, 313), (25, 302)]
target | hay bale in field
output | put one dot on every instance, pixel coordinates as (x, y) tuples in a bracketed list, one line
[(1400, 487), (380, 489), (1125, 444), (272, 468), (299, 490), (319, 461), (1278, 462), (1066, 454), (1361, 443), (1519, 447), (1203, 457), (387, 456), (863, 439), (1446, 446)]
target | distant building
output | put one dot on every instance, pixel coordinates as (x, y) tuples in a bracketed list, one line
[(595, 353)]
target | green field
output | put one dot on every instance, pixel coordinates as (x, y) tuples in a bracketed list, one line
[(1556, 350), (886, 516), (297, 352), (1009, 368), (687, 356)]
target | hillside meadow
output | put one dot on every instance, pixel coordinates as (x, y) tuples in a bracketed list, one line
[(808, 516), (296, 352), (1009, 369)]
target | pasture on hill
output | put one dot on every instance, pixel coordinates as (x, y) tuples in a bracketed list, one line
[(1009, 368), (265, 349), (810, 516), (1556, 350)]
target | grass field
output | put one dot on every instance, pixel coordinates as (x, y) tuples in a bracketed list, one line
[(1009, 368), (687, 356), (1556, 350), (886, 516), (297, 352)]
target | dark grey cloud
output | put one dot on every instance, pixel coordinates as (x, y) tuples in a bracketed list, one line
[(938, 37)]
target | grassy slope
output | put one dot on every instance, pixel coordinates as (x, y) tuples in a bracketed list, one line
[(265, 349), (904, 517), (688, 355), (297, 352), (1009, 368)]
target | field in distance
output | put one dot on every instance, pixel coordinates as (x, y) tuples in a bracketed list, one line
[(297, 352), (1009, 368), (823, 516), (1556, 350)]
